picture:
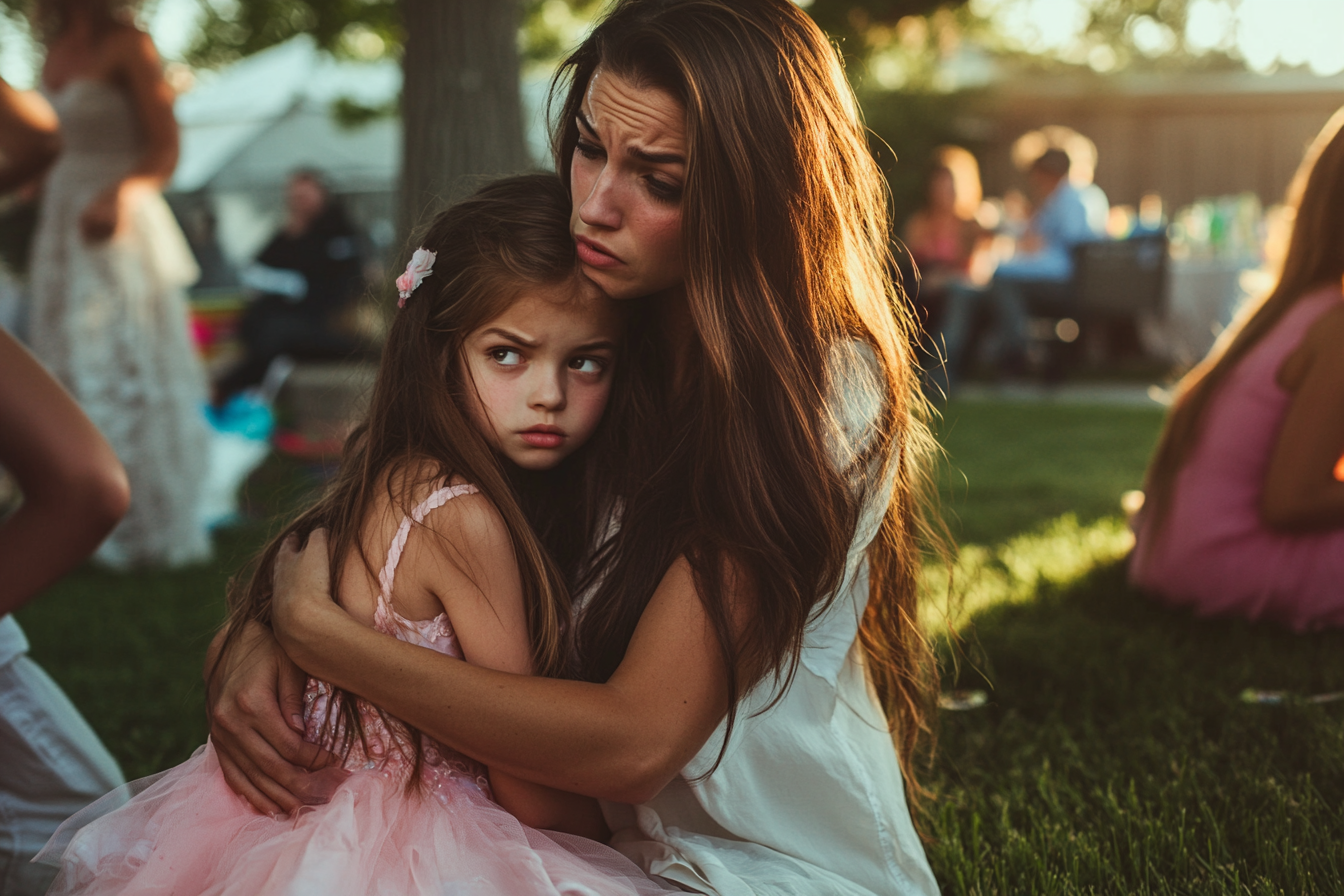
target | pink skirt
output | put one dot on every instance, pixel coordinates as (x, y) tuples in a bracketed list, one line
[(185, 832)]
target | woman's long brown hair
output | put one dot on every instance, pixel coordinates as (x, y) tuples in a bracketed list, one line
[(785, 235), (1315, 258), (511, 235)]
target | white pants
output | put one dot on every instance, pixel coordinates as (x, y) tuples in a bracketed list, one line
[(51, 765)]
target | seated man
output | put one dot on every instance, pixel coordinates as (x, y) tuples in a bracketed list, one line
[(305, 278), (1035, 277)]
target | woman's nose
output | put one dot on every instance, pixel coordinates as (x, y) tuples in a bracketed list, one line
[(601, 208)]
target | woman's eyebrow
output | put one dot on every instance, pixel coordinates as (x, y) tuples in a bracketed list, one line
[(656, 158)]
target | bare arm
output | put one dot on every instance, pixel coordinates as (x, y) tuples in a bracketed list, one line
[(1301, 493), (29, 139), (465, 565), (138, 69), (621, 740), (74, 488)]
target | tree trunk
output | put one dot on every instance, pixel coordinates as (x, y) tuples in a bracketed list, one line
[(461, 107)]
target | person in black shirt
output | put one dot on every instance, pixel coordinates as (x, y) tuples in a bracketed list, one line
[(305, 277)]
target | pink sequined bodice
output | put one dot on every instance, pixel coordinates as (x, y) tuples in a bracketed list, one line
[(387, 749)]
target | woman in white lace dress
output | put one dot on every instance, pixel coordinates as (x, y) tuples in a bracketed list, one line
[(109, 264)]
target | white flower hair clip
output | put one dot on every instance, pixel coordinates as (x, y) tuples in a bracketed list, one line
[(418, 268)]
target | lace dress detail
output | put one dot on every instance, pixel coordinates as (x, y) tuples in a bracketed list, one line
[(109, 320), (185, 832), (387, 751)]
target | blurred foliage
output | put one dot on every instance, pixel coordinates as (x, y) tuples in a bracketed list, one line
[(361, 29)]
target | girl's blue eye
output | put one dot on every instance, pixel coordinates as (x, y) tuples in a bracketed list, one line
[(506, 357), (587, 365)]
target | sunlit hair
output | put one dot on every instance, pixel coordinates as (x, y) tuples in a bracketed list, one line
[(785, 236), (50, 18), (1315, 258), (511, 236)]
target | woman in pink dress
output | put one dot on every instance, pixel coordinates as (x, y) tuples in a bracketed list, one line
[(1245, 508)]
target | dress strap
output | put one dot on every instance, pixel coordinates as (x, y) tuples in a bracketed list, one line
[(439, 498)]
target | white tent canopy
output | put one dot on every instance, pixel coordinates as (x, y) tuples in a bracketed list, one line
[(270, 113)]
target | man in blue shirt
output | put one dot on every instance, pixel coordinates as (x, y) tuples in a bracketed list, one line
[(1039, 270)]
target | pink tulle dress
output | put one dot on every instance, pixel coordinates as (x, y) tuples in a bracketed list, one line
[(1213, 554), (185, 832)]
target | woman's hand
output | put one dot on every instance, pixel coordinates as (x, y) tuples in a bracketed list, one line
[(301, 593), (255, 695), (100, 218)]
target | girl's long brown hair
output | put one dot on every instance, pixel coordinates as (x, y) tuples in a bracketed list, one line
[(1315, 258), (785, 236), (511, 235)]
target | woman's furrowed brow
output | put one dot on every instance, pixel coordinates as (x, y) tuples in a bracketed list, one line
[(656, 158)]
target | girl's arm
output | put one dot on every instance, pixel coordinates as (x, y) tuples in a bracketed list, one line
[(74, 488), (138, 68), (466, 562), (622, 740), (29, 138), (1301, 492)]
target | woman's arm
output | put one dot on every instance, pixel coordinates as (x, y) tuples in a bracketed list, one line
[(464, 565), (29, 138), (137, 66), (74, 488), (622, 740), (1301, 493)]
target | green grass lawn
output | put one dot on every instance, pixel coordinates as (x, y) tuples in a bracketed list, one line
[(1113, 756)]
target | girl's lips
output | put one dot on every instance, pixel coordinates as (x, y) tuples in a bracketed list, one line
[(594, 255), (543, 437)]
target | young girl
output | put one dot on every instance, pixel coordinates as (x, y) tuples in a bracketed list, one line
[(496, 372)]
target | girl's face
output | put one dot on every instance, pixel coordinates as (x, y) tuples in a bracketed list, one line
[(542, 372), (627, 176)]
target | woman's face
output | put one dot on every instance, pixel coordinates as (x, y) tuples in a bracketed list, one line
[(627, 176)]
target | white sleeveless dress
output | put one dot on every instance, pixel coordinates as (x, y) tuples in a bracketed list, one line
[(809, 797), (109, 320)]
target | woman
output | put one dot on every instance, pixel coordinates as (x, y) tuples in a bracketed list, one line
[(762, 578), (943, 233), (1245, 507), (108, 316), (942, 237)]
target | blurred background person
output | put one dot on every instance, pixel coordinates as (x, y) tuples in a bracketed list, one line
[(29, 141), (942, 235), (29, 137), (941, 238), (74, 491), (109, 264), (1244, 510), (306, 279), (1035, 277)]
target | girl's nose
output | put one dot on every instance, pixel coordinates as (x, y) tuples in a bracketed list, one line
[(601, 208), (548, 391)]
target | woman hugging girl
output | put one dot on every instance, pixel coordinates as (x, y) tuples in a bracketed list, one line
[(492, 389)]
